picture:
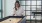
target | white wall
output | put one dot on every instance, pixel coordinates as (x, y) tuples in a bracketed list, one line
[(8, 7)]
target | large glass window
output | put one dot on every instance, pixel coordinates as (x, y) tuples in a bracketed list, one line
[(22, 2), (38, 2), (27, 7), (27, 3), (0, 15), (27, 12), (32, 6), (23, 7), (0, 4), (0, 9), (33, 2)]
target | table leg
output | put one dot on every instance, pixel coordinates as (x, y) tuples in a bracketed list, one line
[(34, 16)]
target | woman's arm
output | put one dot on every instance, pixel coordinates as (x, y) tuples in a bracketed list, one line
[(14, 12)]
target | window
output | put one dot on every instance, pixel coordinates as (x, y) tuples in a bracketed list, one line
[(0, 9), (31, 6), (32, 18), (38, 7), (27, 3), (0, 15), (23, 7), (38, 2), (27, 12), (27, 7), (38, 17), (33, 2), (28, 17), (0, 4), (22, 2)]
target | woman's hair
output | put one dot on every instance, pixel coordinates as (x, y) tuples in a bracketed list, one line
[(15, 5)]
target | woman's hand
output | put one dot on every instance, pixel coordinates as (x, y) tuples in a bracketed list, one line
[(14, 12)]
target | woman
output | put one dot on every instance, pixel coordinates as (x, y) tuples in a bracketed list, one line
[(18, 11)]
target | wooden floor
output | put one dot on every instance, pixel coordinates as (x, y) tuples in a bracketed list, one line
[(12, 20)]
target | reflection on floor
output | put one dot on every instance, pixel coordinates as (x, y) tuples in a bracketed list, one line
[(33, 21), (12, 20)]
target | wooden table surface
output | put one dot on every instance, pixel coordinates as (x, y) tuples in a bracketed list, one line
[(12, 20)]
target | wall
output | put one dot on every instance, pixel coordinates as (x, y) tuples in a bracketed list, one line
[(8, 7)]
